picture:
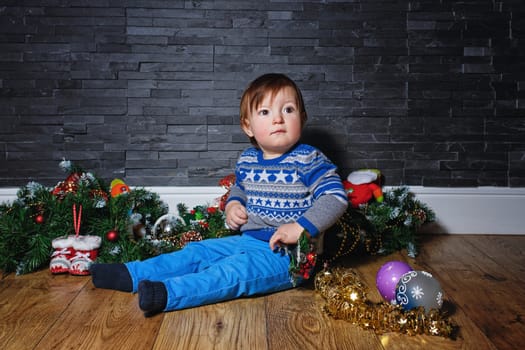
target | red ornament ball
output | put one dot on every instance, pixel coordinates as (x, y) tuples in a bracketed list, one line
[(112, 235), (39, 219)]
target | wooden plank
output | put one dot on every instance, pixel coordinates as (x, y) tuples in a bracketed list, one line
[(477, 287), (367, 267), (504, 254), (31, 304), (500, 259), (481, 276), (296, 321), (102, 319), (236, 324), (392, 340)]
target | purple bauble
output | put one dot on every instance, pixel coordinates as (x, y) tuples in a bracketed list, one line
[(387, 278)]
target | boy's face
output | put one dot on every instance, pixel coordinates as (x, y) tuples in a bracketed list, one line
[(275, 123)]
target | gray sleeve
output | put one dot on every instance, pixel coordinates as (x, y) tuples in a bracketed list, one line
[(324, 213)]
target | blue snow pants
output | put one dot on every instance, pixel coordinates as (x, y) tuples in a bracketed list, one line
[(214, 270)]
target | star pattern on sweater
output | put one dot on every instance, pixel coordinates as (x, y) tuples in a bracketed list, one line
[(250, 175), (279, 203), (265, 176), (281, 177)]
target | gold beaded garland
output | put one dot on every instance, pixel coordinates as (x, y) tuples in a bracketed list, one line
[(349, 229)]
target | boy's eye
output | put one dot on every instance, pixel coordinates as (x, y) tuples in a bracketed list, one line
[(263, 112), (289, 109)]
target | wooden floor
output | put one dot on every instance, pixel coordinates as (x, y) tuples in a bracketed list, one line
[(483, 278)]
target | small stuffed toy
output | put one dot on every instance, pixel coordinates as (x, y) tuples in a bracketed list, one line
[(361, 186), (118, 187)]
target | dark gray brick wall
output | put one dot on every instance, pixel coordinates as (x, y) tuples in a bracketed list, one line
[(430, 92)]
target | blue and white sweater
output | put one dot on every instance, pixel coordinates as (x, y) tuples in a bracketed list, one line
[(300, 186)]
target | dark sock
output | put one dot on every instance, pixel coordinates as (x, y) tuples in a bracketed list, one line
[(111, 276), (153, 297)]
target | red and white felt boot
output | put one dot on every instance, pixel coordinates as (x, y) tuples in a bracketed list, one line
[(62, 254), (86, 251)]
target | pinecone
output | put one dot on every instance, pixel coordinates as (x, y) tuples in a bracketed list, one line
[(189, 236), (420, 215)]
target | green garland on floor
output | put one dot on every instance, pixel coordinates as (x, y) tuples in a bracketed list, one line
[(379, 227), (39, 214), (393, 224), (135, 224)]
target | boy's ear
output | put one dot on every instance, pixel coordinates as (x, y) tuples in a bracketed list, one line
[(246, 128)]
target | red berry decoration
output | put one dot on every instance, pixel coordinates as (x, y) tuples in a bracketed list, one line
[(112, 235), (310, 257), (39, 219)]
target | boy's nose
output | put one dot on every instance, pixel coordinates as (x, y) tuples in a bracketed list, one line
[(278, 118)]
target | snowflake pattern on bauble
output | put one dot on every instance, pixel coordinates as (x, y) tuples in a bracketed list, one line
[(419, 288), (417, 292)]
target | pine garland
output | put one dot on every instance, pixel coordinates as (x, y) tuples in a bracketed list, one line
[(201, 222), (397, 219), (40, 214), (380, 227)]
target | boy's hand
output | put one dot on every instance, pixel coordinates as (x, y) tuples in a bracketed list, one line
[(286, 234), (236, 215)]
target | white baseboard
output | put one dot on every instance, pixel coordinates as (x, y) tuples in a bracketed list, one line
[(482, 210)]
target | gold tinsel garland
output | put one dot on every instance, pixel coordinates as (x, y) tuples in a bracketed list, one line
[(346, 299)]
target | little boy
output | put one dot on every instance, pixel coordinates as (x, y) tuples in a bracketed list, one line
[(283, 189)]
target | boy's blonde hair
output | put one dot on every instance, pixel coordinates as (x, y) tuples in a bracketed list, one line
[(271, 84)]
